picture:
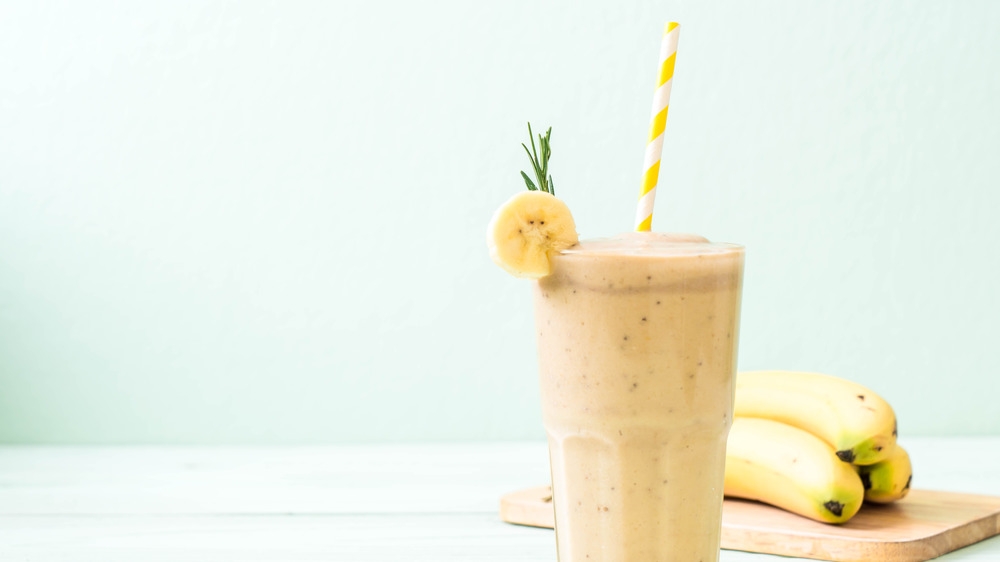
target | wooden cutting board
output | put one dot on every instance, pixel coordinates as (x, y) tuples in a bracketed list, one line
[(921, 526)]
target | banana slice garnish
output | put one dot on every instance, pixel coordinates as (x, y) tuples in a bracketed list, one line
[(527, 230)]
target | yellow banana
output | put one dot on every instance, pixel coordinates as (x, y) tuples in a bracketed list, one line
[(526, 230), (792, 469), (858, 423), (889, 480)]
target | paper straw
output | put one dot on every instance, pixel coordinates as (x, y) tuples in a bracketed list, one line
[(658, 121)]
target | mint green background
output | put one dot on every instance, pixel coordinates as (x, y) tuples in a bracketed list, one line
[(265, 222)]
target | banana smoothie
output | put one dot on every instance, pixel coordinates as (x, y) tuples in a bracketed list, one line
[(637, 338)]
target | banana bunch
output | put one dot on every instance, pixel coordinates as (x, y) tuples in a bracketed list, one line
[(813, 444)]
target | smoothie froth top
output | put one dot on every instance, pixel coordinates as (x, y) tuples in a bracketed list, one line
[(651, 244)]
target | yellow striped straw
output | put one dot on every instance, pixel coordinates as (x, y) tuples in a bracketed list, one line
[(658, 121)]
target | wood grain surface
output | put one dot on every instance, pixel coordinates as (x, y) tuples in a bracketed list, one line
[(924, 525)]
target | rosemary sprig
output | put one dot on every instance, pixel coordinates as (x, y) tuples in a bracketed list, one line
[(540, 165)]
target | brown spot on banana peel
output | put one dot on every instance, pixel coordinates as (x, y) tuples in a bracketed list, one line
[(847, 455), (834, 507), (894, 427), (866, 452), (908, 480), (861, 397)]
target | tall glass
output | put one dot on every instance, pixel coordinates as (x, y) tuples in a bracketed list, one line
[(637, 339)]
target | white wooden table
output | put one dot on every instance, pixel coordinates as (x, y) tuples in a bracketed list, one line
[(338, 503)]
